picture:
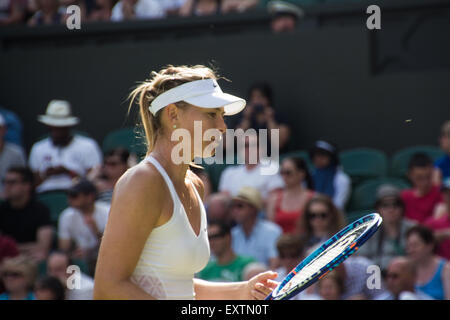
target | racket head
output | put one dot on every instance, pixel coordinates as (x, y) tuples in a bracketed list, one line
[(344, 243)]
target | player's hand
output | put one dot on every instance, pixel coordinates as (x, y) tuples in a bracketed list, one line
[(261, 285)]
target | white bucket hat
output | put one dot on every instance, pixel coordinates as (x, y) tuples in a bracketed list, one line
[(204, 93), (58, 114)]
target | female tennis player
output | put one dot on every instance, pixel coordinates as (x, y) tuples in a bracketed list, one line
[(155, 239)]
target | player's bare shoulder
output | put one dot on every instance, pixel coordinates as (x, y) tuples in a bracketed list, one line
[(141, 184)]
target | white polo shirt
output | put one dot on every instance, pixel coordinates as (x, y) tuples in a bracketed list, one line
[(235, 177), (71, 226), (80, 155), (144, 9)]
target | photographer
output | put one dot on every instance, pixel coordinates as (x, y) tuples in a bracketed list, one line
[(260, 114)]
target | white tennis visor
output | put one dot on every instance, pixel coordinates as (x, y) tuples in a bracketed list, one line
[(204, 93)]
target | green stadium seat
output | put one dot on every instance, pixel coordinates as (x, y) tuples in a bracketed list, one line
[(300, 154), (400, 160), (128, 138), (56, 201), (364, 163), (364, 195)]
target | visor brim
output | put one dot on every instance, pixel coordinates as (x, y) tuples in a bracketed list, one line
[(232, 104)]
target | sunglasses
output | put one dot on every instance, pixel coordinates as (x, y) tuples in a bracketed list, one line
[(386, 205), (72, 194), (11, 181), (111, 163), (286, 172), (393, 276), (12, 274), (289, 255), (321, 215), (239, 205)]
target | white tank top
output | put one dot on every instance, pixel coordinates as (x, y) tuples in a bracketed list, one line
[(173, 253)]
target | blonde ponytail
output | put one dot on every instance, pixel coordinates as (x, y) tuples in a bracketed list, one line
[(164, 80)]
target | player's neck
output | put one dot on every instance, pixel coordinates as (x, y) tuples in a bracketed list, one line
[(162, 152)]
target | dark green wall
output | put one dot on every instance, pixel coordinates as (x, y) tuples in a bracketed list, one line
[(332, 77)]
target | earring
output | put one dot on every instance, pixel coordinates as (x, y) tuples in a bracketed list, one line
[(174, 126)]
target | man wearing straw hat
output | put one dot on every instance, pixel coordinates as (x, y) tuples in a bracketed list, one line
[(62, 156), (253, 236)]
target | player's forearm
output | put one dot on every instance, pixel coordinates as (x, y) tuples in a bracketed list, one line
[(206, 290)]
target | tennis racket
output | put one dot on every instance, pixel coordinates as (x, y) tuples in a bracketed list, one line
[(327, 257)]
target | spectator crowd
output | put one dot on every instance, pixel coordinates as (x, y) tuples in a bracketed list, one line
[(285, 14), (256, 222)]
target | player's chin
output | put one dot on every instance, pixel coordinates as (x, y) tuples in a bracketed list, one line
[(208, 151)]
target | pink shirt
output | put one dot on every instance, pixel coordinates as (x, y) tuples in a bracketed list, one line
[(441, 223), (420, 208)]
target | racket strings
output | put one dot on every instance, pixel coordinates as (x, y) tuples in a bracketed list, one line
[(324, 258)]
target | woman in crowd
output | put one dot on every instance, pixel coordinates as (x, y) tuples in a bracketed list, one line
[(49, 12), (389, 241), (18, 275), (331, 287), (320, 220), (49, 288), (285, 207), (440, 224), (102, 10), (433, 272), (201, 7), (261, 114), (328, 177)]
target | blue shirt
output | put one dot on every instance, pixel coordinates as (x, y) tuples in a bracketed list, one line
[(15, 128), (261, 244), (5, 296), (435, 287), (443, 164)]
